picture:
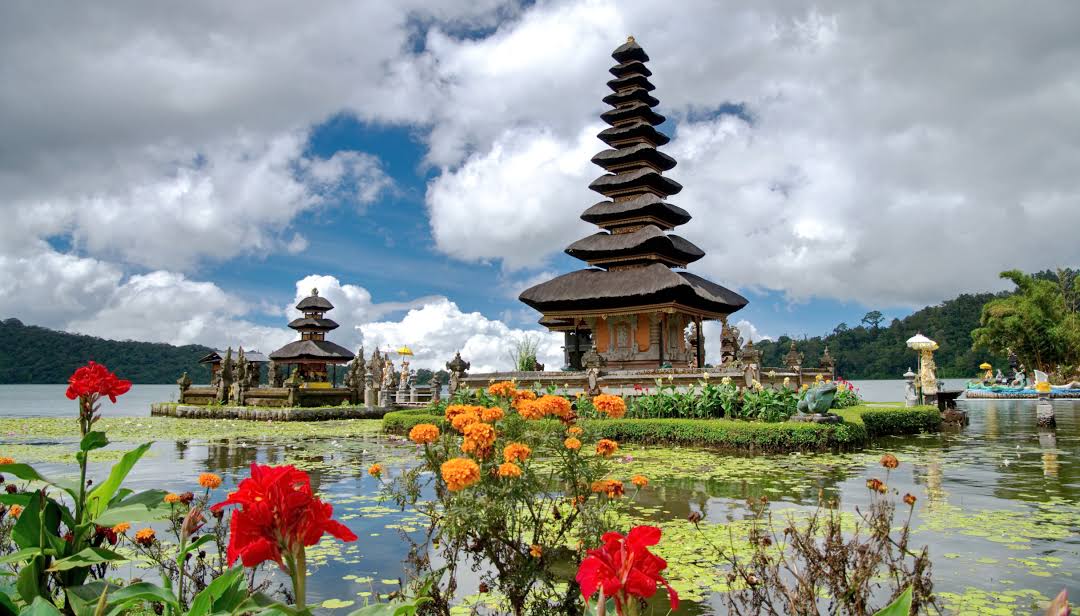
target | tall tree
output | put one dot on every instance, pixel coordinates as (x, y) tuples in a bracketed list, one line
[(1039, 322), (873, 319)]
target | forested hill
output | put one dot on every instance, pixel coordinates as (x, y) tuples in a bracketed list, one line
[(31, 354), (872, 350)]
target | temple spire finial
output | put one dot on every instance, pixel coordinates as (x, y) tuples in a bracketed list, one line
[(630, 39), (315, 291)]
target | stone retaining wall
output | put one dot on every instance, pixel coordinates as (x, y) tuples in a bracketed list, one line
[(172, 409)]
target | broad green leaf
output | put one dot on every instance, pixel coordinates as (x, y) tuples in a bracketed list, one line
[(27, 530), (85, 558), (40, 607), (21, 499), (21, 555), (84, 599), (29, 581), (93, 440), (7, 605), (135, 512), (142, 591), (100, 496), (900, 607), (202, 603), (28, 473)]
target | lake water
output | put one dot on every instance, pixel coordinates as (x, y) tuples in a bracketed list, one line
[(999, 502)]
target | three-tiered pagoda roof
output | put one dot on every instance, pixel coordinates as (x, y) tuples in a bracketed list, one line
[(313, 347)]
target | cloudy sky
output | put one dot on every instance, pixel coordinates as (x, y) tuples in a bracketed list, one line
[(183, 173)]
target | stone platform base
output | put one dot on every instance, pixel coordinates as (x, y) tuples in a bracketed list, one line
[(326, 413), (825, 419)]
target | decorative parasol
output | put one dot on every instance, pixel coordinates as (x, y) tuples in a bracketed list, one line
[(985, 366), (920, 342), (404, 350)]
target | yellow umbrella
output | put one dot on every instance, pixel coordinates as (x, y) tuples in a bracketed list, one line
[(404, 350), (985, 366)]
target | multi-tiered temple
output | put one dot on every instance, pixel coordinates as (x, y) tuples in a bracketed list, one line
[(632, 303), (312, 353)]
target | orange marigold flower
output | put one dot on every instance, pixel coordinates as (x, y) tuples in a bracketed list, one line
[(145, 537), (479, 439), (503, 389), (574, 431), (639, 480), (375, 470), (613, 488), (605, 447), (509, 469), (909, 500), (460, 473), (555, 405), (492, 414), (613, 406), (572, 443), (536, 551), (121, 528), (889, 461), (524, 394), (454, 410), (876, 485), (516, 452), (463, 420), (530, 409), (6, 460), (210, 480), (15, 511), (424, 433), (172, 498)]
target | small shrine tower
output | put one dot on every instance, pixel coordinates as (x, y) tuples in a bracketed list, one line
[(631, 303), (312, 353)]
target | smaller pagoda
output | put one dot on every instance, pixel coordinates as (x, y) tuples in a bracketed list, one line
[(312, 354)]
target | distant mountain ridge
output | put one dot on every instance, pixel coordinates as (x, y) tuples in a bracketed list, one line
[(33, 354), (880, 352)]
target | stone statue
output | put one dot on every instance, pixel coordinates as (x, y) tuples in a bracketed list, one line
[(1020, 378), (794, 358), (691, 337), (592, 361), (375, 368), (273, 374), (750, 356), (818, 400), (184, 382), (225, 380), (458, 368), (388, 373), (729, 344), (406, 376)]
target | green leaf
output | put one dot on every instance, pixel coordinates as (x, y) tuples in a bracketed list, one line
[(135, 512), (27, 530), (202, 603), (194, 545), (21, 555), (142, 591), (99, 497), (40, 607), (29, 581), (93, 440), (21, 499), (900, 607), (28, 473), (84, 599), (85, 558), (7, 606)]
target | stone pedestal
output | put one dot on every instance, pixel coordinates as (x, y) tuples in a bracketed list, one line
[(910, 397), (400, 397), (1044, 413), (370, 397), (384, 398), (413, 397)]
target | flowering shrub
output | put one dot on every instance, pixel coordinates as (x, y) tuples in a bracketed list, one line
[(846, 395), (513, 497)]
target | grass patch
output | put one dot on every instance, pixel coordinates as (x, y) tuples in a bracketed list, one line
[(861, 423)]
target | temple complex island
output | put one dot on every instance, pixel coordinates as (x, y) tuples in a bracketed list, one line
[(312, 353), (633, 306)]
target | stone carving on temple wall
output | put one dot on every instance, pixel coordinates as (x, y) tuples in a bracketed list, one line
[(730, 342), (458, 368), (273, 374)]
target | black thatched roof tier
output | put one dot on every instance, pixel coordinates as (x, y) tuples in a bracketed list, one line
[(637, 246), (632, 111), (313, 351), (305, 323), (314, 303), (638, 131), (630, 68), (590, 290), (638, 180), (630, 51), (638, 95), (633, 80), (641, 207), (640, 153)]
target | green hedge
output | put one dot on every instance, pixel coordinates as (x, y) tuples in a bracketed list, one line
[(860, 424)]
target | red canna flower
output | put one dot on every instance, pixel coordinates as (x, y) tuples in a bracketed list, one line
[(623, 567), (95, 379), (277, 516)]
